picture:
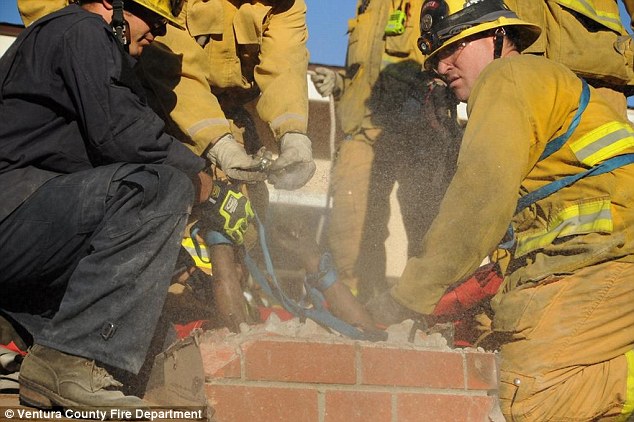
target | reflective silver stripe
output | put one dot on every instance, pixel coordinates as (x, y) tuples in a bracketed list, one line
[(610, 20), (602, 143), (203, 124), (587, 217), (278, 121), (606, 141)]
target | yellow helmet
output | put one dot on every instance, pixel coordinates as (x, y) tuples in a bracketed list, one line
[(445, 22), (169, 9)]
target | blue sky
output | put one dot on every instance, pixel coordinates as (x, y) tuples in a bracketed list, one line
[(327, 22), (9, 12), (326, 19), (327, 25)]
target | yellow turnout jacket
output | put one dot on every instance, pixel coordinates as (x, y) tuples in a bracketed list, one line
[(232, 52), (516, 107)]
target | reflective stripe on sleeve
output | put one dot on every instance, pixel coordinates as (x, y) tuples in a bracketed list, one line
[(582, 218), (604, 142), (588, 9)]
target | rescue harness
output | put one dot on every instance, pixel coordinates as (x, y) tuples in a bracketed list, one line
[(552, 187), (485, 282)]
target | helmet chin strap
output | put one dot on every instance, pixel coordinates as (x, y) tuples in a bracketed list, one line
[(119, 25), (498, 42)]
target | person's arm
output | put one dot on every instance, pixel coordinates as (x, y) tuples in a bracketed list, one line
[(283, 103), (481, 199), (178, 73), (281, 73)]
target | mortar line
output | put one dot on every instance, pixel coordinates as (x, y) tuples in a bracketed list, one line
[(357, 363), (394, 407), (464, 370), (345, 387), (321, 405)]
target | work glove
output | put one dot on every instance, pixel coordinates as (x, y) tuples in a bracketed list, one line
[(231, 157), (295, 166), (227, 211), (327, 82), (386, 311)]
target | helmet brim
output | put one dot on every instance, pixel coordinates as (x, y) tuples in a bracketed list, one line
[(161, 8), (527, 33)]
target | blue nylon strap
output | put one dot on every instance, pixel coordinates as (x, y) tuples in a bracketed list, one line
[(271, 287), (553, 146), (211, 238), (544, 191), (325, 277), (549, 189), (216, 238), (559, 141)]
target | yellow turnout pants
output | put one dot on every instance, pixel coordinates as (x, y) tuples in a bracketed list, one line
[(570, 355)]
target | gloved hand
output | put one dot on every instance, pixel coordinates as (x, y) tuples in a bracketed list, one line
[(385, 310), (226, 211), (327, 82), (231, 157), (295, 166)]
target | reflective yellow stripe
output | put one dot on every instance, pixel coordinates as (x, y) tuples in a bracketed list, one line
[(628, 406), (588, 217), (188, 244), (604, 142), (587, 8)]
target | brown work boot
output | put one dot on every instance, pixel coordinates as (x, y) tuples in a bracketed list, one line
[(51, 378)]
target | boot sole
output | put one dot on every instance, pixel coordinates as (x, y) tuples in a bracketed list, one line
[(34, 395)]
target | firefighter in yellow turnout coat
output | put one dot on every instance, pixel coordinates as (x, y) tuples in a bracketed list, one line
[(564, 316), (231, 53), (587, 37), (398, 128)]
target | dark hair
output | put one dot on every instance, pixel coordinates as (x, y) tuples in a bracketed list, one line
[(513, 36)]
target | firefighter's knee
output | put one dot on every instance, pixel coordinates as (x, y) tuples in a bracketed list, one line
[(178, 189), (140, 194)]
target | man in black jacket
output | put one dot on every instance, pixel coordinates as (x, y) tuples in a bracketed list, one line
[(94, 198)]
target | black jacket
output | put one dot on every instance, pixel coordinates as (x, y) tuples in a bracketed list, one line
[(69, 101)]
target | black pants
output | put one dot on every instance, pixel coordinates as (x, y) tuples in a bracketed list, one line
[(86, 261)]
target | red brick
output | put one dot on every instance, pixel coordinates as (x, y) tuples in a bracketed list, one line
[(291, 361), (411, 368), (249, 404), (220, 360), (445, 408), (481, 371), (358, 406)]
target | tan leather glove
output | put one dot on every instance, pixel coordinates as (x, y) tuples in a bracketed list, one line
[(327, 82), (295, 166), (231, 157)]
